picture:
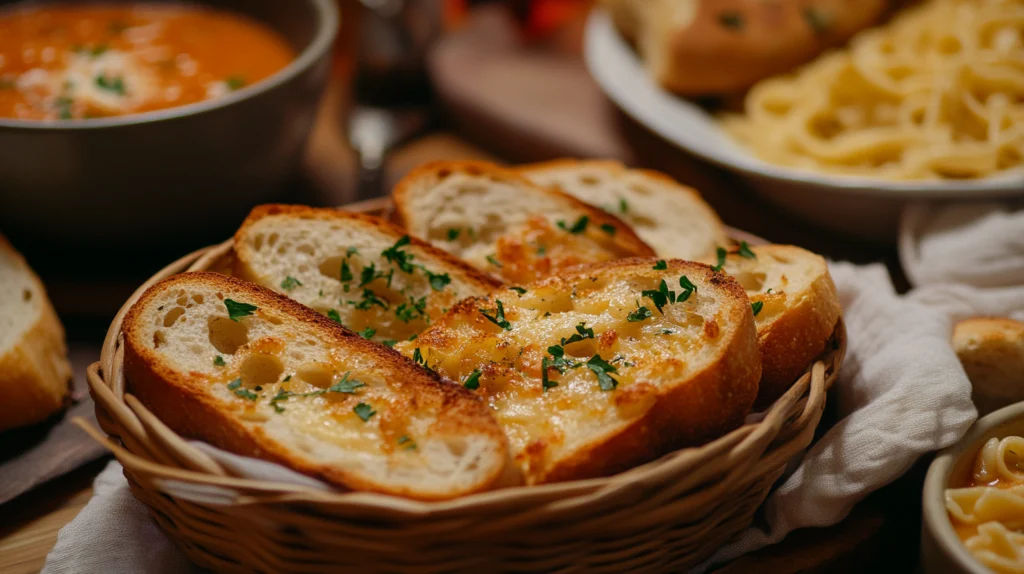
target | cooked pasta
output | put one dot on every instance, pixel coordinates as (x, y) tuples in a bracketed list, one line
[(988, 513), (938, 92)]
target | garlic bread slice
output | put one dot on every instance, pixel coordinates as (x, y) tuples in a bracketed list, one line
[(248, 370), (795, 308), (502, 224), (605, 366), (359, 270), (668, 216)]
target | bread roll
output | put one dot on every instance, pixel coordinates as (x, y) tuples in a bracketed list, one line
[(992, 352)]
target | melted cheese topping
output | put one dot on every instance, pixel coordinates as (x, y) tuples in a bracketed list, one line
[(543, 426)]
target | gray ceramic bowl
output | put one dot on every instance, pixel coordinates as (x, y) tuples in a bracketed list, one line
[(154, 176), (941, 549)]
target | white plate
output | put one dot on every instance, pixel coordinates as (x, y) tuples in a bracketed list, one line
[(867, 208)]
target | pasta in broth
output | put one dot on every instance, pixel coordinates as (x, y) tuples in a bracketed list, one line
[(988, 513), (936, 93)]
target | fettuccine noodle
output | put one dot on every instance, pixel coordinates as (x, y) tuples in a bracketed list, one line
[(988, 514), (938, 92)]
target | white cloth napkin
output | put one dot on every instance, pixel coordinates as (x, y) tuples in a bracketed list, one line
[(901, 393)]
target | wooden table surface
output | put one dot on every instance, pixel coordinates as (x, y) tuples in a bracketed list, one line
[(879, 533)]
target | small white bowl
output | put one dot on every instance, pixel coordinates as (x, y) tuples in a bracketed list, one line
[(856, 206), (942, 552)]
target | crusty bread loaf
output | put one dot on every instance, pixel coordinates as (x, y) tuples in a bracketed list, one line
[(721, 46), (796, 308), (500, 223), (248, 370), (604, 366), (992, 353), (35, 375), (328, 259), (671, 218)]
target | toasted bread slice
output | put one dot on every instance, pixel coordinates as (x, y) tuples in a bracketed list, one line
[(589, 377), (797, 309), (671, 218), (992, 352), (35, 374), (248, 370), (360, 270), (506, 226)]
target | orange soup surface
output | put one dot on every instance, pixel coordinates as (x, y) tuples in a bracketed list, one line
[(86, 61)]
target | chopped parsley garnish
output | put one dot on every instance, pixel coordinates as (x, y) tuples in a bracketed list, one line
[(660, 265), (817, 20), (558, 360), (345, 385), (346, 272), (290, 283), (579, 227), (395, 254), (491, 259), (769, 291), (369, 300), (667, 331), (757, 306), (417, 357), (660, 297), (364, 411), (236, 387), (390, 343), (545, 382), (473, 381), (351, 251), (745, 251), (721, 253), (602, 369), (368, 333), (219, 361), (453, 233), (640, 314), (412, 309), (731, 20), (369, 275), (438, 280), (623, 206), (542, 250), (333, 315), (498, 318), (608, 228), (519, 290), (113, 84), (286, 379), (235, 83), (238, 310), (688, 289), (404, 439), (282, 395), (63, 106), (582, 332)]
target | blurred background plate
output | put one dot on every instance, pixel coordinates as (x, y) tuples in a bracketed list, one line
[(858, 207)]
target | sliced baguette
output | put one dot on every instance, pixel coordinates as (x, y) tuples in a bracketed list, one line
[(35, 375), (992, 353), (318, 257), (671, 218), (682, 376), (425, 439), (798, 312), (500, 223)]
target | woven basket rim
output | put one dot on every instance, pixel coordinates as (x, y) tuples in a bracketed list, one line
[(166, 455)]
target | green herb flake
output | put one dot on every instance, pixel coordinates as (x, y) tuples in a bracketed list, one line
[(438, 281), (542, 250), (688, 289), (819, 21), (412, 309), (640, 314), (721, 253), (545, 382), (282, 395), (370, 300), (238, 310), (333, 315), (290, 283), (218, 361), (608, 228), (405, 440), (623, 206), (398, 257), (368, 333), (491, 259), (603, 370), (453, 233), (660, 265), (746, 252), (236, 387), (473, 381), (498, 318), (113, 84), (389, 343), (582, 332), (235, 83), (660, 297), (346, 272), (346, 385), (577, 228), (731, 20), (519, 290), (757, 306), (364, 411)]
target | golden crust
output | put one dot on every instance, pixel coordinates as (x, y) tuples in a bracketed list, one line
[(35, 376), (668, 415), (179, 400)]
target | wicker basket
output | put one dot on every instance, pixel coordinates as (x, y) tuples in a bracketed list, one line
[(663, 516)]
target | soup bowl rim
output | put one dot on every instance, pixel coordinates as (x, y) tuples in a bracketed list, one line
[(936, 520), (327, 18)]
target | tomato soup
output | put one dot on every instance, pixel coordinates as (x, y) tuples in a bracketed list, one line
[(85, 61)]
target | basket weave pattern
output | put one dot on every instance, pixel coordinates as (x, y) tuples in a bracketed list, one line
[(663, 516)]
